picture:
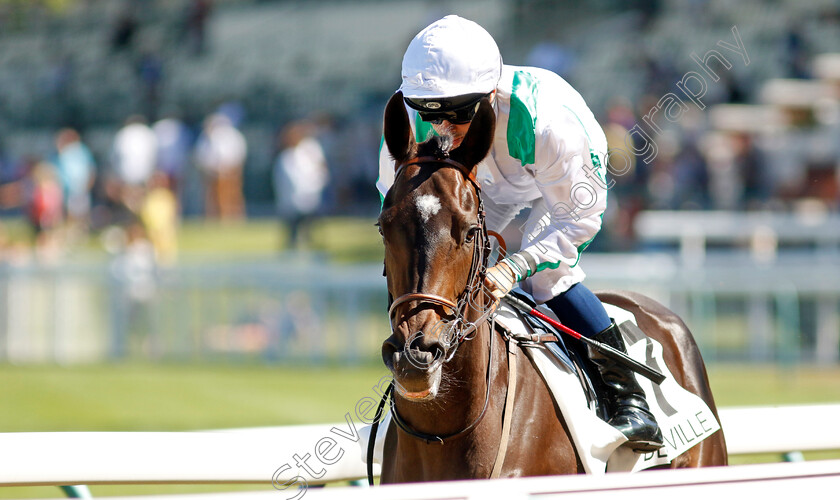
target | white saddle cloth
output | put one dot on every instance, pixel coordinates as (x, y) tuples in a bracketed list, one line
[(683, 417)]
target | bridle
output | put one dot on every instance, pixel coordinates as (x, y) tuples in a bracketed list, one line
[(478, 268), (460, 328)]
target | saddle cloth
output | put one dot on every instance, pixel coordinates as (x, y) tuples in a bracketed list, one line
[(684, 418)]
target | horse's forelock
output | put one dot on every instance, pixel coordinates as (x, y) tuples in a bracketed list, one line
[(438, 146)]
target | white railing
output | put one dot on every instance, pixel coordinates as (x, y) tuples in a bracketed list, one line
[(331, 452), (746, 481), (781, 429)]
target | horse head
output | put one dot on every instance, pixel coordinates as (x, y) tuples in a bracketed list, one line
[(432, 228)]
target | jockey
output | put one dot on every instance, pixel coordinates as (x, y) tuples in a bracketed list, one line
[(548, 155)]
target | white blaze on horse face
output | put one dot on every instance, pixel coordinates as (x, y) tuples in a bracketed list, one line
[(428, 205)]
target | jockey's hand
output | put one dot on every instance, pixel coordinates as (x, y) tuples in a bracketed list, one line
[(500, 280)]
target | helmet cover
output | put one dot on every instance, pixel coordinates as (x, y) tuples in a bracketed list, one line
[(452, 56)]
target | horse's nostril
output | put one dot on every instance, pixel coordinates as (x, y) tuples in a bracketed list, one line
[(437, 351), (389, 348), (424, 356), (421, 355)]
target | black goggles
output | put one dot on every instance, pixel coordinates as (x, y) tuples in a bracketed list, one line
[(456, 110)]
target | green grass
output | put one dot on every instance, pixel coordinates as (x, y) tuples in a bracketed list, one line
[(139, 397), (342, 239), (147, 397), (144, 397), (747, 385)]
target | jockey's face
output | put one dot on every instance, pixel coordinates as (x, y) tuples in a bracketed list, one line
[(457, 131)]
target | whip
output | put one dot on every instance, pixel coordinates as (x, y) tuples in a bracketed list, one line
[(606, 350)]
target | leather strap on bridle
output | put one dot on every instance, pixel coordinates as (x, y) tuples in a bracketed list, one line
[(502, 245), (449, 162), (442, 439), (424, 297)]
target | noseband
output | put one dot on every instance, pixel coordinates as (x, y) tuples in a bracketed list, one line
[(478, 269)]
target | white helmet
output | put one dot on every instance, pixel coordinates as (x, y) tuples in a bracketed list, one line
[(451, 57)]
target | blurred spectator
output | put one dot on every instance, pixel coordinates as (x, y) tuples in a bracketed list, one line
[(196, 15), (160, 219), (174, 142), (125, 27), (134, 158), (725, 183), (691, 178), (39, 193), (44, 206), (796, 52), (220, 155), (150, 74), (133, 271), (300, 176), (77, 171), (752, 170)]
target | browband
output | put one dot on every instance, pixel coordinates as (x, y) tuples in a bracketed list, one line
[(468, 173)]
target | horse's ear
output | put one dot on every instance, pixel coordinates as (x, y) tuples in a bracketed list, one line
[(397, 130), (479, 138)]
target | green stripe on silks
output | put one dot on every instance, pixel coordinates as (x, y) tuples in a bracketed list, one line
[(422, 130), (521, 137), (76, 491), (381, 196)]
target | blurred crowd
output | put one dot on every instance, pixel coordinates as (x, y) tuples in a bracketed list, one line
[(132, 198), (263, 156), (702, 164)]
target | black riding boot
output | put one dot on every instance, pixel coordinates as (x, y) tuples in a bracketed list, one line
[(626, 404)]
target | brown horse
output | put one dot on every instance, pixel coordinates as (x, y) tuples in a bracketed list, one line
[(451, 370)]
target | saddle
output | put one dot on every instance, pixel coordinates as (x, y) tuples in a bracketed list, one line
[(568, 351)]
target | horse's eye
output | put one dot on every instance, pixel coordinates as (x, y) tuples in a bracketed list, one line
[(471, 232), (379, 228)]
